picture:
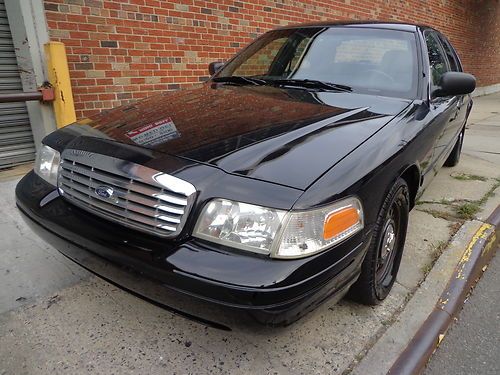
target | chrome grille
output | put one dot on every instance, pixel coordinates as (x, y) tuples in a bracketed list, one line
[(139, 197)]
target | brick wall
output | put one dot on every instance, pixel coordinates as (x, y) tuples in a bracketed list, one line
[(122, 50), (481, 55)]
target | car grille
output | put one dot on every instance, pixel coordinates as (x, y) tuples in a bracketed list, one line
[(139, 197)]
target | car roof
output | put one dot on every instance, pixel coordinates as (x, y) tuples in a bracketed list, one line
[(368, 24)]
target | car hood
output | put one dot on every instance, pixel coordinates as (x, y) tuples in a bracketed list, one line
[(284, 136)]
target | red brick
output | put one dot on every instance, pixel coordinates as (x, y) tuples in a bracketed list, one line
[(472, 26)]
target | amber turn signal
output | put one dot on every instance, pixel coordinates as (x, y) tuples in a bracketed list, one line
[(340, 221)]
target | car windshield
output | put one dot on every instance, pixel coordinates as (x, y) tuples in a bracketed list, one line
[(366, 60)]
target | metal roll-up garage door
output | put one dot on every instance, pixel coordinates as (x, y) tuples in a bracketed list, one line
[(16, 139)]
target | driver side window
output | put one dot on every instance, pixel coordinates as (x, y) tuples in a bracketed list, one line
[(437, 60)]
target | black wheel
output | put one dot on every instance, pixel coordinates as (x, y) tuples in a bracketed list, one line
[(381, 264), (454, 157)]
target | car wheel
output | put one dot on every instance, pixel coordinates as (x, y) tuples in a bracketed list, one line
[(454, 157), (381, 264)]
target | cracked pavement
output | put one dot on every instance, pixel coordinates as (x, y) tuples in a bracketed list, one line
[(57, 318)]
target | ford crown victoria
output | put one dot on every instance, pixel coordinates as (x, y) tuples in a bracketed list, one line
[(284, 180)]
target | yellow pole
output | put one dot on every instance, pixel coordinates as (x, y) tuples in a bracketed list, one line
[(57, 66)]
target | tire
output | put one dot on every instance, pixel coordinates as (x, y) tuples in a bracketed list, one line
[(454, 157), (381, 264)]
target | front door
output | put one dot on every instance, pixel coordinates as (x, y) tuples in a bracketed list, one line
[(444, 108)]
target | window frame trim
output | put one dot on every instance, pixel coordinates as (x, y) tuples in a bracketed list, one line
[(431, 85), (445, 41)]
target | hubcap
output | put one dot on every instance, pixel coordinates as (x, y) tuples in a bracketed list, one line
[(388, 242), (387, 249)]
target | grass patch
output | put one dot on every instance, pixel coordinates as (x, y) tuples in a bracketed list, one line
[(439, 214), (468, 177), (461, 210), (438, 250), (435, 254), (490, 192), (443, 201), (427, 268), (468, 210)]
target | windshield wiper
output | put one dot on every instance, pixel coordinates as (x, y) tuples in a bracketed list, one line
[(306, 83), (309, 83), (240, 80)]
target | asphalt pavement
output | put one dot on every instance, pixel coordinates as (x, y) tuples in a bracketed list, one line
[(472, 344)]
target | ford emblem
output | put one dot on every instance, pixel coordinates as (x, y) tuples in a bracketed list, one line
[(104, 191)]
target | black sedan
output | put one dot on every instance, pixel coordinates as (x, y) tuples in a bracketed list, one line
[(284, 180)]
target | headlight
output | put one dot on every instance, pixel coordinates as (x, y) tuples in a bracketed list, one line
[(241, 225), (275, 232), (47, 164)]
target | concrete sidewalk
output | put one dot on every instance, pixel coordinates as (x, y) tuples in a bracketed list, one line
[(464, 196), (55, 317)]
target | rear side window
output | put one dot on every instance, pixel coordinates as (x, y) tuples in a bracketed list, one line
[(450, 55), (437, 60)]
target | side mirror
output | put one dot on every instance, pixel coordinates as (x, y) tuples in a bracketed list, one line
[(214, 67), (455, 83)]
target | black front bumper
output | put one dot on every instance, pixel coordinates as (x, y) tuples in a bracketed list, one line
[(171, 273)]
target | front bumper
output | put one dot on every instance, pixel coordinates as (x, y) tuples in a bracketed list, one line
[(275, 292)]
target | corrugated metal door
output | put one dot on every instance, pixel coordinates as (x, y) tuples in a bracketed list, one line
[(16, 140)]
